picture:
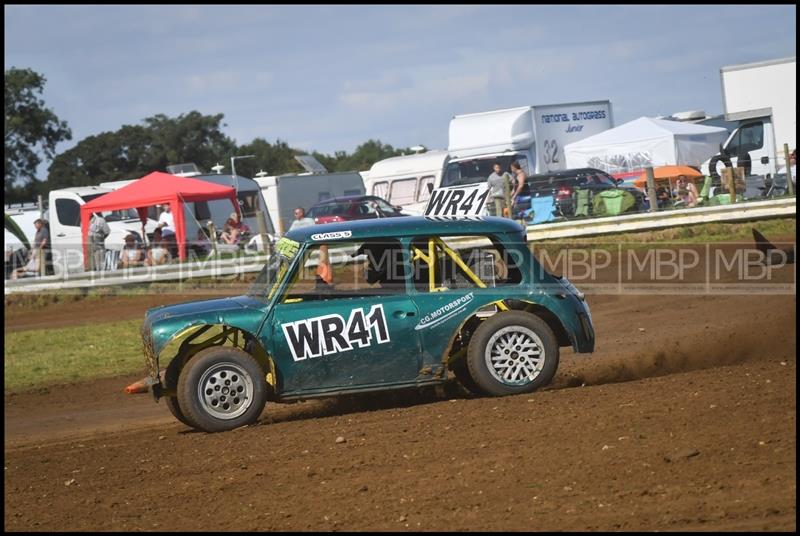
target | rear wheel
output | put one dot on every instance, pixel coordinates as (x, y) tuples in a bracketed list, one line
[(512, 352), (175, 409), (222, 388)]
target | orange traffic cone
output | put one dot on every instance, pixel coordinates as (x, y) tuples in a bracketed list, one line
[(142, 386)]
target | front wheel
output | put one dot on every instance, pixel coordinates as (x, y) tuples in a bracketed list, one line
[(512, 352), (222, 388)]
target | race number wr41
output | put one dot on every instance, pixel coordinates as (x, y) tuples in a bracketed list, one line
[(458, 201)]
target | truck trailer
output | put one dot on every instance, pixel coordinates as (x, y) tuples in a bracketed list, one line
[(534, 136)]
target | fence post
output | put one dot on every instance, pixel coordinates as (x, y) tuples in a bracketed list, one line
[(651, 189), (213, 238), (262, 230), (730, 183), (789, 185)]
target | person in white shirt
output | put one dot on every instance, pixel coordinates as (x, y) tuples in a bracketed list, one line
[(300, 219), (166, 222)]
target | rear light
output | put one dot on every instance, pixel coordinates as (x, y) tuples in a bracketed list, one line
[(563, 192)]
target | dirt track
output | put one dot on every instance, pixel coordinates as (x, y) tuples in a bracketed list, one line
[(689, 424)]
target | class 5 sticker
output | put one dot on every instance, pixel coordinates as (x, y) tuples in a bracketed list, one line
[(457, 202), (335, 235)]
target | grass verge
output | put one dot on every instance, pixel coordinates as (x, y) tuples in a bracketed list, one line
[(36, 358)]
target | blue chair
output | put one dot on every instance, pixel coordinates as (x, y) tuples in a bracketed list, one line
[(542, 209)]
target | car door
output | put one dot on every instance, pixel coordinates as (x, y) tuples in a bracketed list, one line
[(348, 334)]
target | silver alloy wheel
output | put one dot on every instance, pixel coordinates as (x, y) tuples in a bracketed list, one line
[(514, 355), (225, 390)]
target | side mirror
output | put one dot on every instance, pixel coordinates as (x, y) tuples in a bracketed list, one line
[(398, 208), (430, 187), (618, 181)]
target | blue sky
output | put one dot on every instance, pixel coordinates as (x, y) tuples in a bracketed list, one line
[(328, 78)]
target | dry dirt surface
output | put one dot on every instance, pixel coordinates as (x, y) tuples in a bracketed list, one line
[(683, 419)]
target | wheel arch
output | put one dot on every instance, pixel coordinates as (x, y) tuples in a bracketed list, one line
[(187, 342), (459, 341)]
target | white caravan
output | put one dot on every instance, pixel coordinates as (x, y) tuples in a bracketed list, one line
[(762, 97), (534, 136), (406, 181)]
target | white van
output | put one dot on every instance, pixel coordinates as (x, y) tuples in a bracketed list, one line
[(404, 180)]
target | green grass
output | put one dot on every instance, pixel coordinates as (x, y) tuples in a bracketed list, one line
[(36, 358)]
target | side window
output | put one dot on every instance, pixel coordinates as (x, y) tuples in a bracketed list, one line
[(349, 270), (402, 191), (381, 189), (68, 212), (486, 261), (422, 192), (752, 137)]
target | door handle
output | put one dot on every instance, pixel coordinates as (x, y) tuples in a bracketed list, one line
[(61, 234), (403, 314)]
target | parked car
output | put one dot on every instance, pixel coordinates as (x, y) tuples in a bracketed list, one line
[(562, 185), (355, 207), (400, 308)]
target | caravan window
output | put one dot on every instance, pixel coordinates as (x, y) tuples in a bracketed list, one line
[(402, 192), (381, 189), (422, 192)]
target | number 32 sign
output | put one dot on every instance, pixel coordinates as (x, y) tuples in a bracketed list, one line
[(458, 201)]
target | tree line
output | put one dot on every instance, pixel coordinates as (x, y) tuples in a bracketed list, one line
[(33, 131)]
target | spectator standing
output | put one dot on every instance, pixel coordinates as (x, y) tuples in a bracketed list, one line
[(98, 232), (519, 180), (499, 189), (687, 192), (166, 222), (300, 219)]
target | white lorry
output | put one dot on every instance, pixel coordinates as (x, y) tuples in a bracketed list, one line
[(404, 180), (762, 97), (534, 136)]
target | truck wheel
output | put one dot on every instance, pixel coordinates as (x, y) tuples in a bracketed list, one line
[(512, 352), (222, 388)]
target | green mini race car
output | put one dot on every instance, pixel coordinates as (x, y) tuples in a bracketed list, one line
[(365, 306)]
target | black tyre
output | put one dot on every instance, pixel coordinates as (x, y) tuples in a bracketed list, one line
[(222, 388), (712, 165), (512, 352), (175, 408), (461, 371)]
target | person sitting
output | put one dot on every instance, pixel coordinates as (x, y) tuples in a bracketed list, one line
[(231, 232), (158, 253), (132, 254), (687, 192)]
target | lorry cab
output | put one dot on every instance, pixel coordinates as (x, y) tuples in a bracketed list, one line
[(751, 146)]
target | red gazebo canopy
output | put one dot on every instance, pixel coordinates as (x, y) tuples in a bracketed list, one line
[(157, 188)]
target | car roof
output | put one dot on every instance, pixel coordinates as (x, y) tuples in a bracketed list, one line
[(345, 198), (409, 226)]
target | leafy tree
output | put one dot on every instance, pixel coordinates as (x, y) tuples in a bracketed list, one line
[(275, 159), (31, 129), (136, 150)]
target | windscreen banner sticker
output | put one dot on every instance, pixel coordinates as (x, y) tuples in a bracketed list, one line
[(332, 236), (286, 247), (330, 334), (445, 312), (458, 201)]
